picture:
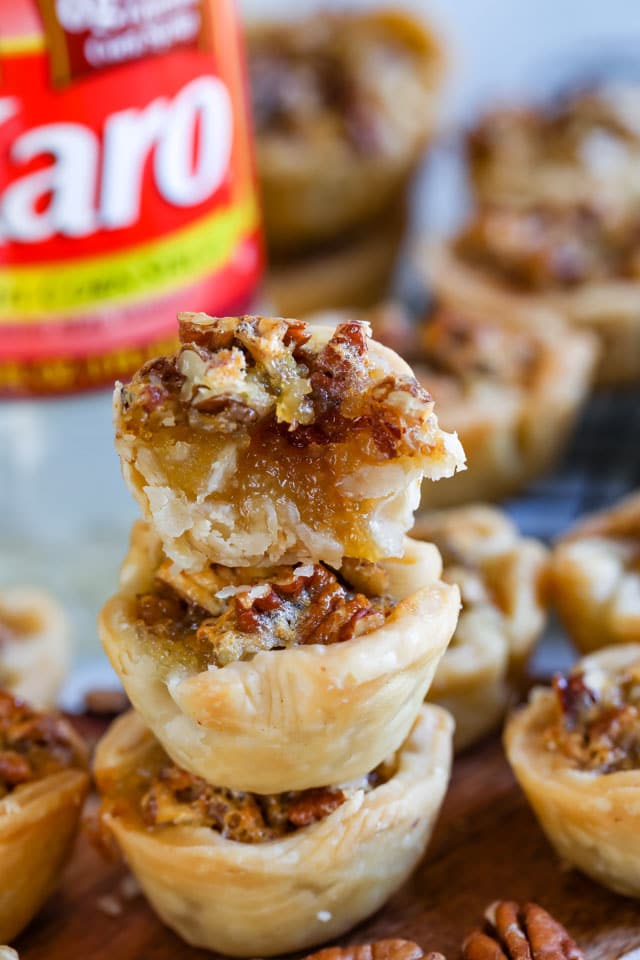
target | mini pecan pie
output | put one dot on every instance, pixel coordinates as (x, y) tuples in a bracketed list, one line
[(43, 783), (333, 150), (582, 148), (298, 868), (513, 393), (500, 576), (267, 441), (542, 265), (595, 577), (284, 678), (576, 751), (34, 645)]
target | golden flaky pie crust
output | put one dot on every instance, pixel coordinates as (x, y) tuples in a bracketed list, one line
[(315, 185), (592, 819), (287, 719), (595, 577), (608, 310), (34, 651), (511, 431), (38, 825), (501, 619), (293, 893)]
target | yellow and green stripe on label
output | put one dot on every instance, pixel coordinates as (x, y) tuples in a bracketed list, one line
[(37, 293)]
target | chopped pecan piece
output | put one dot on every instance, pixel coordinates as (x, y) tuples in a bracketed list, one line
[(574, 696), (315, 804), (173, 797), (512, 933)]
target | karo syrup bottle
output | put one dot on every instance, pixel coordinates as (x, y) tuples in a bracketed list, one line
[(127, 193)]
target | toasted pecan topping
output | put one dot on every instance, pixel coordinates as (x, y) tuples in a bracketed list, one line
[(458, 346), (544, 248), (598, 730), (33, 745), (380, 950), (299, 605), (177, 798), (320, 78), (262, 372), (512, 933)]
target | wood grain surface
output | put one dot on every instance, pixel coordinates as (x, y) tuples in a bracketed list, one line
[(487, 846)]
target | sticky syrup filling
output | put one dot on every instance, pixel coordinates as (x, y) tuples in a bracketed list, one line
[(158, 795), (597, 727)]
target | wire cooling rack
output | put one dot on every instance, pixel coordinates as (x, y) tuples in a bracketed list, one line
[(600, 465)]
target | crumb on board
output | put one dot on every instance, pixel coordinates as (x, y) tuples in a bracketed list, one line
[(109, 905)]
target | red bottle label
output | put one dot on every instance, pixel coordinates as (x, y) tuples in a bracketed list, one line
[(126, 183)]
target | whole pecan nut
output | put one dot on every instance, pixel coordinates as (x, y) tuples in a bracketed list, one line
[(381, 950), (512, 933)]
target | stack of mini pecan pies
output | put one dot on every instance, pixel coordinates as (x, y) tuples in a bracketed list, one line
[(276, 632), (335, 156), (555, 232)]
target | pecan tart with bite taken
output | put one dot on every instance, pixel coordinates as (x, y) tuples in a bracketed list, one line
[(595, 577), (289, 677), (333, 151), (43, 784), (575, 750), (266, 441), (297, 867), (34, 645), (501, 577)]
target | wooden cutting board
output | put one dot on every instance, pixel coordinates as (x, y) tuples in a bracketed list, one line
[(487, 846)]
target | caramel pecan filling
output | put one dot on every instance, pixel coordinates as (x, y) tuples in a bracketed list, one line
[(33, 745), (598, 730), (300, 605), (458, 347), (174, 797), (543, 248)]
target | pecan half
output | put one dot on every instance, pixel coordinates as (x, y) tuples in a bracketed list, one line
[(512, 933), (381, 950)]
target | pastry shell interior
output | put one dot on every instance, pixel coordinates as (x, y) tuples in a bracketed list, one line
[(294, 718), (271, 898)]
